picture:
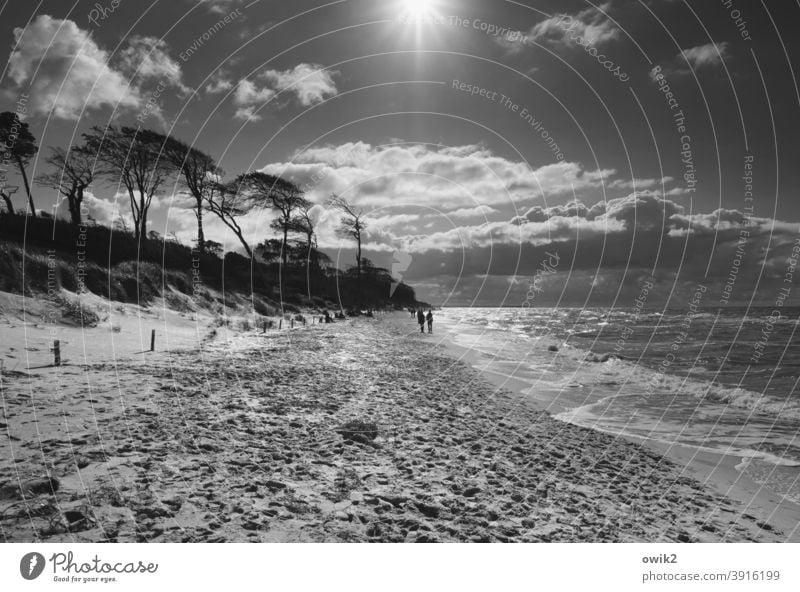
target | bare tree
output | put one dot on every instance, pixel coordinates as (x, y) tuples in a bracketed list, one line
[(73, 173), (351, 225), (134, 156), (199, 174), (19, 144)]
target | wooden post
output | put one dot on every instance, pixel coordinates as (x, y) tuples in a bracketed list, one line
[(304, 321), (280, 324), (265, 327), (57, 352), (292, 326), (153, 340)]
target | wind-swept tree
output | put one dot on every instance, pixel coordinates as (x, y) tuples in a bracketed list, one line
[(225, 201), (73, 172), (282, 195), (303, 223), (351, 225), (135, 157), (199, 174), (19, 144)]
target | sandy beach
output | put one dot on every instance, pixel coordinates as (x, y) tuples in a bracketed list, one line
[(361, 430)]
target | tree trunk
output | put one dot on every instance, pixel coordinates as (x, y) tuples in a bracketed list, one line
[(245, 245), (285, 240), (143, 219), (21, 167), (201, 239), (358, 269), (309, 262), (74, 201)]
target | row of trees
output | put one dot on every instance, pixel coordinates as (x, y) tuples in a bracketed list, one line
[(142, 161)]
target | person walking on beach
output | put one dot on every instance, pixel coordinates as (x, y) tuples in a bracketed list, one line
[(429, 318), (421, 320)]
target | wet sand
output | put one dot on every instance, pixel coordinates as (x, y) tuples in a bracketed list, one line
[(240, 438)]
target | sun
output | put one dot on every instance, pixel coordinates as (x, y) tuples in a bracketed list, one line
[(417, 10)]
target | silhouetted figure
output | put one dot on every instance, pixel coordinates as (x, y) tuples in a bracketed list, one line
[(421, 320), (429, 318), (328, 317)]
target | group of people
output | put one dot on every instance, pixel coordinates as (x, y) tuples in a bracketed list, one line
[(423, 318)]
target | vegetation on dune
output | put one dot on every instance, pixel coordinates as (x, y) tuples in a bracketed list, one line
[(137, 265)]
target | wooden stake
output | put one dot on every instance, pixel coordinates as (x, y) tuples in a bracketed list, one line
[(292, 322), (280, 324), (153, 340), (57, 352)]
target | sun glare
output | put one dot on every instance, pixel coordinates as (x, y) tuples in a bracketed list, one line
[(417, 10)]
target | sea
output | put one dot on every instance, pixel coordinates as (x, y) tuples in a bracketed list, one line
[(717, 379)]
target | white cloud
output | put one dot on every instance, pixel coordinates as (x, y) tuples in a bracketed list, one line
[(710, 54), (66, 70), (638, 184), (477, 212), (148, 58), (695, 58), (591, 25), (308, 83), (417, 175), (218, 84), (248, 97)]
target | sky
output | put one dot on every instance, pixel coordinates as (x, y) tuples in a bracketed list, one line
[(505, 153)]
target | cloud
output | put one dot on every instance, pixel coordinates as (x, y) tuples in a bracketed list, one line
[(66, 70), (591, 25), (419, 175), (218, 83), (603, 248), (689, 60), (308, 83), (247, 97), (477, 212), (148, 58), (224, 6), (710, 54)]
